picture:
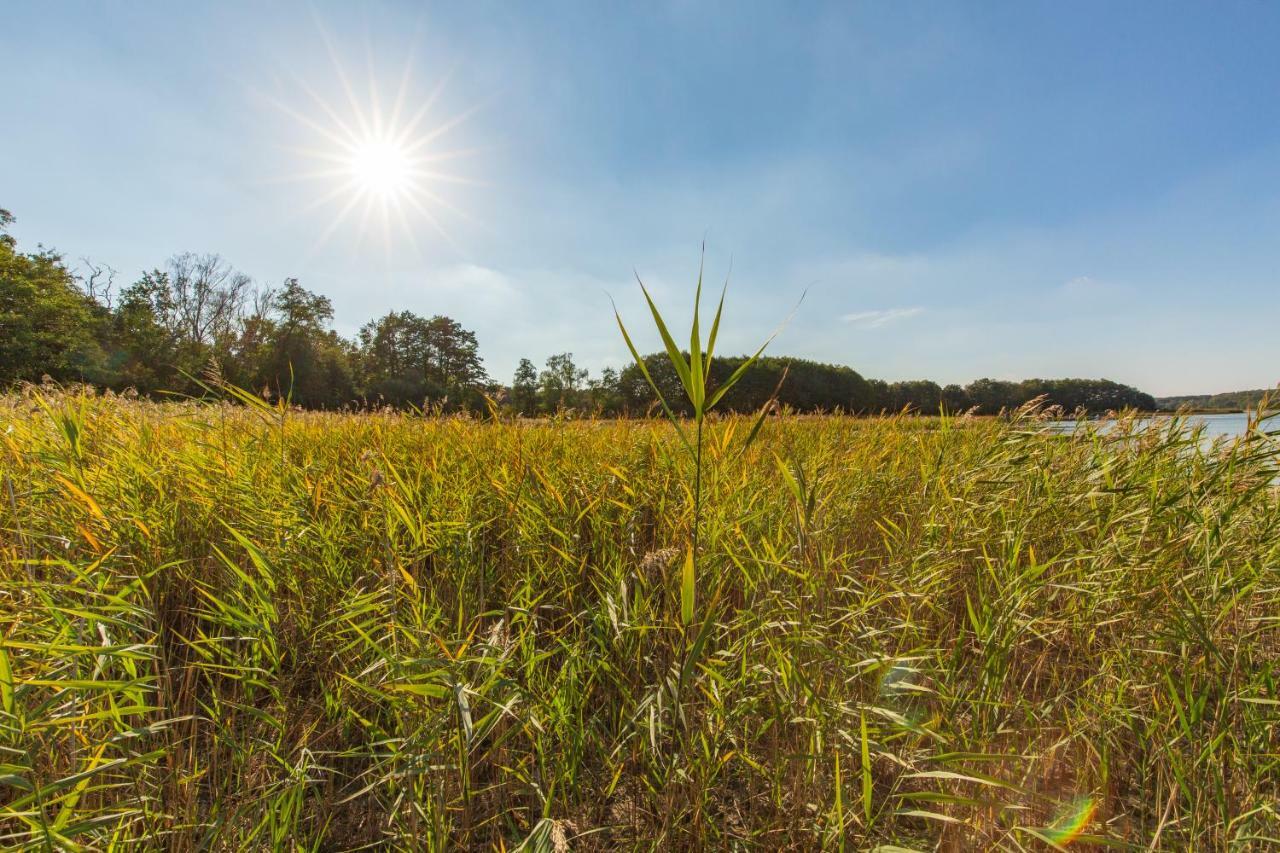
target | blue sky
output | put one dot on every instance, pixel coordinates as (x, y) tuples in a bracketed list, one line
[(996, 189)]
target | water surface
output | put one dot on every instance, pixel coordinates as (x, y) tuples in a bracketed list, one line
[(1230, 425)]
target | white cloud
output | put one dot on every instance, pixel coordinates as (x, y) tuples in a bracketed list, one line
[(875, 319)]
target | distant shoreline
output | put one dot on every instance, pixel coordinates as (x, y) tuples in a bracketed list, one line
[(1225, 402), (1211, 411), (1177, 412)]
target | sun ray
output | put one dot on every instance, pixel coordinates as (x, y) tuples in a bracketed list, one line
[(433, 96), (365, 214), (311, 123), (386, 227), (406, 74), (453, 154), (332, 195), (432, 221), (440, 202), (311, 176), (384, 170), (446, 178), (441, 129), (340, 157), (405, 226), (328, 109), (344, 80), (402, 90), (375, 99), (334, 224)]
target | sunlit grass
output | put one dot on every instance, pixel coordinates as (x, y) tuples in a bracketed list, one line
[(250, 628)]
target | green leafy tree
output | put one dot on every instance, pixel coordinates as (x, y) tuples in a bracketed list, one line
[(524, 388), (562, 383), (955, 399), (146, 351), (179, 322), (809, 386), (604, 395), (916, 395), (991, 395), (301, 358), (1235, 401), (409, 360), (451, 355), (48, 326), (652, 378)]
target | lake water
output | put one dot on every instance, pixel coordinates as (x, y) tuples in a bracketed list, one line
[(1215, 426)]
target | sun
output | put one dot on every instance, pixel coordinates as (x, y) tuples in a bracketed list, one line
[(385, 163), (381, 167)]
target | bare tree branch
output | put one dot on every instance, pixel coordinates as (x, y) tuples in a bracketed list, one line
[(97, 282)]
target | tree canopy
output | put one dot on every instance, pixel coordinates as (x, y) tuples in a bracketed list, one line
[(1228, 401), (48, 325)]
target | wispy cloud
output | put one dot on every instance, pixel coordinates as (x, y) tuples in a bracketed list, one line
[(875, 319)]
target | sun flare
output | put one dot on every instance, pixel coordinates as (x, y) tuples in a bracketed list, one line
[(382, 162)]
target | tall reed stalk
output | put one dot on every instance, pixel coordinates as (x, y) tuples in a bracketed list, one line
[(694, 370)]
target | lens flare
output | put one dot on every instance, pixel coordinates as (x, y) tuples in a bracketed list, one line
[(1071, 821), (902, 690)]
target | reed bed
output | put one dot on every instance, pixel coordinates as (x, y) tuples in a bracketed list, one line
[(229, 627)]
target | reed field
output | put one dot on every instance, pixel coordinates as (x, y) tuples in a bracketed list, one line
[(239, 627)]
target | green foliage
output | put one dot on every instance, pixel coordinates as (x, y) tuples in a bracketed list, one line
[(199, 319), (694, 371), (410, 360), (524, 388), (561, 384), (815, 387), (1230, 401), (146, 353), (809, 386), (239, 627), (991, 396), (48, 327)]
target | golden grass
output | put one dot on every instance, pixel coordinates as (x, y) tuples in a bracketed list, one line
[(252, 629)]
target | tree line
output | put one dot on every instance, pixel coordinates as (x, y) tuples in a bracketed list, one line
[(810, 386), (197, 319), (1228, 401)]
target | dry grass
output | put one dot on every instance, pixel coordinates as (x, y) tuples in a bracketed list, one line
[(229, 628)]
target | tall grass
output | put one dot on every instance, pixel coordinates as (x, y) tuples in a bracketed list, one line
[(228, 628), (693, 369)]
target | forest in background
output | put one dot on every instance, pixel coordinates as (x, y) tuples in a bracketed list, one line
[(198, 321), (1228, 401)]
